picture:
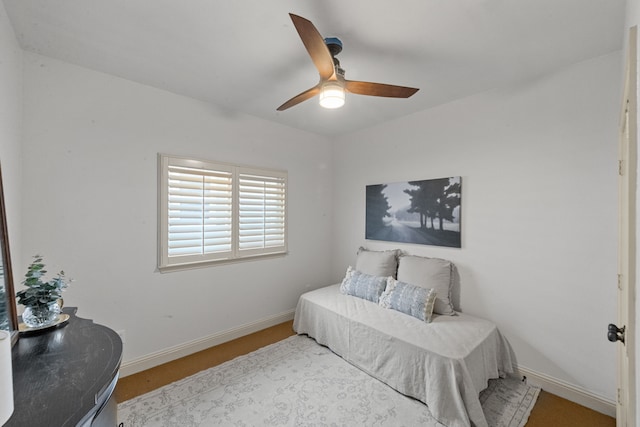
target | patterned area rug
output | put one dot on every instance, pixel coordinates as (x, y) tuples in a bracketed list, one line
[(296, 382)]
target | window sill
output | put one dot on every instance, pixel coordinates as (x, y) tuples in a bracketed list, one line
[(212, 263)]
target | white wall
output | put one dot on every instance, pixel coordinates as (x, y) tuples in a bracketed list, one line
[(539, 203), (10, 132), (90, 207)]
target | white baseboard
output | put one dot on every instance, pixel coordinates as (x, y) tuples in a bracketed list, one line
[(155, 359), (569, 391)]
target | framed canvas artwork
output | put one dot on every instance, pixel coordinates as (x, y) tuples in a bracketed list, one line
[(423, 212)]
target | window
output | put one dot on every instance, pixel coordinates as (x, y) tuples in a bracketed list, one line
[(219, 212)]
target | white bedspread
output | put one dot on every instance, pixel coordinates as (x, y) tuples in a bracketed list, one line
[(444, 364)]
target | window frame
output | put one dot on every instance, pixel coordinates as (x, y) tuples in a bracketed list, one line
[(179, 262)]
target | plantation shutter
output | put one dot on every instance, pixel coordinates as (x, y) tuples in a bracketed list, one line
[(200, 204), (261, 212), (211, 212)]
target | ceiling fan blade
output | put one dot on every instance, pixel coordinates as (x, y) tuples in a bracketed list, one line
[(309, 93), (315, 45), (379, 89)]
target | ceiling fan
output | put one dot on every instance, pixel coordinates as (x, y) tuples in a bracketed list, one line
[(333, 85)]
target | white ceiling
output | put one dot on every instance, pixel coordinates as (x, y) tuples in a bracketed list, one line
[(245, 55)]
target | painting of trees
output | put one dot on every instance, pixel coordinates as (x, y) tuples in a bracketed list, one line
[(434, 199), (424, 212), (377, 206)]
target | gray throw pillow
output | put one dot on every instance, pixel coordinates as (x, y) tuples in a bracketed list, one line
[(377, 263), (431, 273)]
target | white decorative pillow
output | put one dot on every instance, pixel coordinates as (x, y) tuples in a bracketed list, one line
[(431, 273), (377, 263), (362, 285), (413, 300)]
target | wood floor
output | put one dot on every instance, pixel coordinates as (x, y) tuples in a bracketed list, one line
[(550, 410)]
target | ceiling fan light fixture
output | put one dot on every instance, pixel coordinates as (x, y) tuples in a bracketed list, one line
[(333, 85), (332, 95)]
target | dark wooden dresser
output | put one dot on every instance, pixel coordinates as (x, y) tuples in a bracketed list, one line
[(65, 377)]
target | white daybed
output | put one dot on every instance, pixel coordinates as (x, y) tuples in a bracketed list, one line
[(445, 363)]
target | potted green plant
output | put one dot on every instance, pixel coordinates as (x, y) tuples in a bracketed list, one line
[(40, 298)]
